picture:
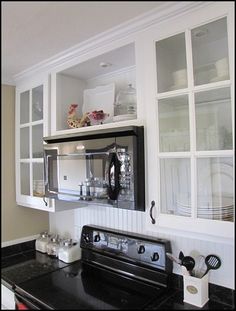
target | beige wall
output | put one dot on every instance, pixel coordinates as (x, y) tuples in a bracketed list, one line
[(17, 221)]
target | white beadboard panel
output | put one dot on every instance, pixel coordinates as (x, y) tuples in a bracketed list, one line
[(62, 223), (71, 223)]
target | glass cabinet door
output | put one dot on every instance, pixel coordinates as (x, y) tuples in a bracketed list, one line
[(31, 142), (195, 124)]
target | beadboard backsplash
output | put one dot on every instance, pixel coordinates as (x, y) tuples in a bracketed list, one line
[(70, 223)]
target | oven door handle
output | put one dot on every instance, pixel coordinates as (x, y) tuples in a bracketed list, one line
[(113, 163)]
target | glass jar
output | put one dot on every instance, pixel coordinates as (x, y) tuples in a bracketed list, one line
[(42, 242), (100, 188), (53, 246), (126, 103)]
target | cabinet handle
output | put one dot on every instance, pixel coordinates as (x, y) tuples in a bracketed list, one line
[(45, 202), (152, 205)]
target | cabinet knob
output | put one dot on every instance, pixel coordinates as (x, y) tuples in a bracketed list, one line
[(151, 209), (155, 256), (141, 249)]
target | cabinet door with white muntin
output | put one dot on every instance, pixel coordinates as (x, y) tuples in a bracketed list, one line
[(31, 126), (194, 147)]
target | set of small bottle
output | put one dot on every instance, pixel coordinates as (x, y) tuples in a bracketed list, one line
[(93, 188), (65, 250)]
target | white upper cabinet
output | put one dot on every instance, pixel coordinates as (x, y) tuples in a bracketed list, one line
[(31, 126), (98, 82), (190, 150)]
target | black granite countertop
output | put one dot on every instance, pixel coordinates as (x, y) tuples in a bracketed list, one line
[(41, 266)]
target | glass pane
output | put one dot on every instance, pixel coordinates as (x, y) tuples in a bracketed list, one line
[(37, 141), (25, 178), (24, 107), (214, 120), (175, 187), (37, 103), (24, 143), (38, 182), (174, 124), (210, 52), (215, 188), (171, 63)]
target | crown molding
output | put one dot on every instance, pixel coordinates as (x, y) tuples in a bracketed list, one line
[(9, 82), (166, 11)]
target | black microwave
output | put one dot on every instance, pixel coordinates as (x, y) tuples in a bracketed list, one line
[(105, 167)]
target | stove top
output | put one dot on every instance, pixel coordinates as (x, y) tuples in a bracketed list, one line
[(82, 286), (37, 264)]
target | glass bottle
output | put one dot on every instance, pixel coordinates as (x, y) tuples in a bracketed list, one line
[(53, 246), (126, 103)]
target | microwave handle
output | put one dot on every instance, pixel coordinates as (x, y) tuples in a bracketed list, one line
[(46, 169), (113, 160)]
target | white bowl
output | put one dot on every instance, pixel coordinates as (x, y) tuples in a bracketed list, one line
[(180, 77), (222, 67)]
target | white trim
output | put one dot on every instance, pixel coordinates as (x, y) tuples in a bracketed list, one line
[(140, 23), (20, 240), (10, 82)]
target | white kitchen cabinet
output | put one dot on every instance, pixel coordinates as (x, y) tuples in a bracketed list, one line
[(93, 82), (31, 126), (190, 150)]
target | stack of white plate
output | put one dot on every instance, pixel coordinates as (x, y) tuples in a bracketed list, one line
[(217, 208)]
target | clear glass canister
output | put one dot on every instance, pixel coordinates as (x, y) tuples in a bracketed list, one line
[(42, 241), (53, 246), (126, 103)]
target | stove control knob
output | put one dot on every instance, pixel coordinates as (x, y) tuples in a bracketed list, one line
[(97, 238), (86, 238), (141, 249), (155, 256)]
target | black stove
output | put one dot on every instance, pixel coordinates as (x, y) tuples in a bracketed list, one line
[(117, 271)]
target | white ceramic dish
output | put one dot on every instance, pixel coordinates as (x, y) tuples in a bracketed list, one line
[(178, 86), (100, 98), (220, 78)]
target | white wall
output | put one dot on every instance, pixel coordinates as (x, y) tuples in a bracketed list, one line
[(71, 222)]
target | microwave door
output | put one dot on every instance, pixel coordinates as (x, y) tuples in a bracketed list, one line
[(77, 177)]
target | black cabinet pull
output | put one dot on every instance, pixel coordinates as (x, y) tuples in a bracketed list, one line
[(45, 202), (152, 205)]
